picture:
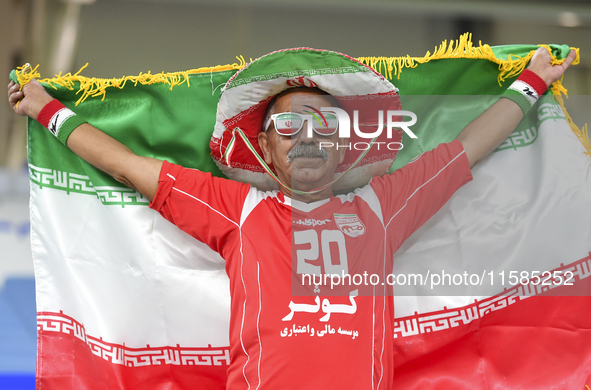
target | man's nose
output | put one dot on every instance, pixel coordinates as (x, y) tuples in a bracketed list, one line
[(307, 134)]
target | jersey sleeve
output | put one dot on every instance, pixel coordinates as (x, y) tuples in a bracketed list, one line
[(206, 207), (414, 193)]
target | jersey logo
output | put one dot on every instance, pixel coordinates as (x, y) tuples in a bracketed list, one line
[(53, 125), (311, 222), (350, 224)]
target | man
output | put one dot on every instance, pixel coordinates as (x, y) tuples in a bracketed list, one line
[(280, 341)]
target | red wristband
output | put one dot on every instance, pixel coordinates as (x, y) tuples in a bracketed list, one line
[(535, 81), (48, 111)]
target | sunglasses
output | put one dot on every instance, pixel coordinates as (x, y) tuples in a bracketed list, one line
[(290, 123)]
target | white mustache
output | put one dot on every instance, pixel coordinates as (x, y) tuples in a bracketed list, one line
[(307, 150)]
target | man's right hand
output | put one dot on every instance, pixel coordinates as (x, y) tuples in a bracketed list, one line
[(30, 100), (92, 145)]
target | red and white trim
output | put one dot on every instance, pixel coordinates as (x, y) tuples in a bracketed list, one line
[(121, 354), (447, 319)]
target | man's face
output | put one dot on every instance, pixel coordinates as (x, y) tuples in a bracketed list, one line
[(302, 173)]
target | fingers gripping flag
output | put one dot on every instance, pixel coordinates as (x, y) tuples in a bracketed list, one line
[(127, 300)]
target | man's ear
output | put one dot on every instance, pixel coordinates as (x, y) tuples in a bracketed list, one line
[(263, 140)]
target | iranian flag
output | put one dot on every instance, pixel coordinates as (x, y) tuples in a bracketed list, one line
[(126, 300)]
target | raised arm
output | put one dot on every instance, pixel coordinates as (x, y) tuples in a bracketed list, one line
[(494, 125), (92, 145)]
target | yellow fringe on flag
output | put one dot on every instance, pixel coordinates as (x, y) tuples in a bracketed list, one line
[(582, 133), (25, 74), (460, 48), (93, 87)]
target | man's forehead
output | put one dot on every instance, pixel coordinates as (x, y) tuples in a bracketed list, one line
[(298, 100)]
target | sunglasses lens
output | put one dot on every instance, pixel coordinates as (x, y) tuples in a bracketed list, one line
[(288, 123), (328, 126)]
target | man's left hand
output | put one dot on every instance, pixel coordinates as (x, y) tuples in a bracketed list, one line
[(540, 65)]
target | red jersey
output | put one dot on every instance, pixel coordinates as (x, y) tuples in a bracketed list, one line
[(289, 327)]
